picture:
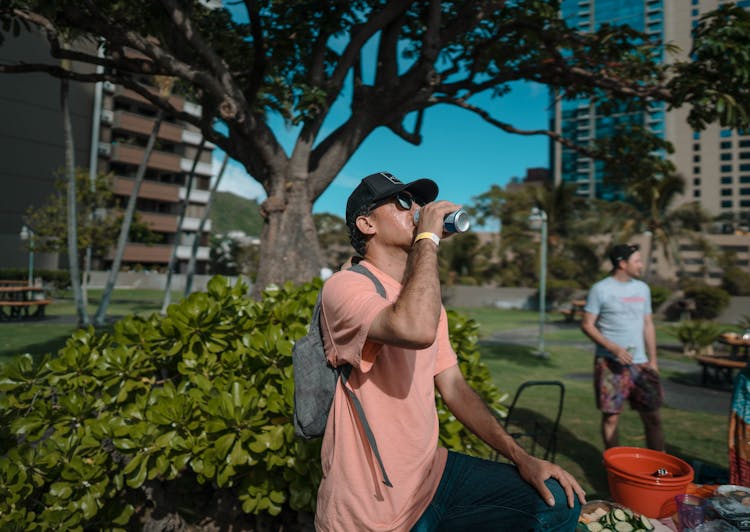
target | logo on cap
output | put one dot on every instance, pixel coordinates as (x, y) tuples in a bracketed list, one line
[(390, 177)]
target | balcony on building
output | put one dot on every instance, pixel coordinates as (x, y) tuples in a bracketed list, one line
[(143, 125), (123, 186), (133, 155)]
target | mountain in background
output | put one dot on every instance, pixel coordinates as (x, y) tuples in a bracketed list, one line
[(231, 212)]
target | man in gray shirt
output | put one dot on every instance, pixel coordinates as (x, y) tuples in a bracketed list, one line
[(617, 317)]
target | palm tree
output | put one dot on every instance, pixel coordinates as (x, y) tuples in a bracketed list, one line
[(201, 226), (72, 220), (652, 199), (165, 88), (180, 221)]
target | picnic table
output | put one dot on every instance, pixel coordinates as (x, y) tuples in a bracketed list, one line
[(20, 301), (740, 347), (575, 310), (721, 368)]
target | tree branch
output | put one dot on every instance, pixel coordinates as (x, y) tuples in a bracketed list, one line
[(484, 115)]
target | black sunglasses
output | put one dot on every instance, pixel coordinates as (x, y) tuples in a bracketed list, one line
[(404, 200)]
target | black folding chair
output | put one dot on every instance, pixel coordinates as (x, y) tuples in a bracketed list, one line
[(541, 432)]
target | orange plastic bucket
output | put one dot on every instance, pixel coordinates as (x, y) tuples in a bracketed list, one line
[(634, 481)]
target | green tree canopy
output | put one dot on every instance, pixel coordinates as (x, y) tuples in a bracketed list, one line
[(248, 61)]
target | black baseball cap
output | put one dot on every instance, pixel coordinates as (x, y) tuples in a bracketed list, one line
[(382, 185), (622, 252)]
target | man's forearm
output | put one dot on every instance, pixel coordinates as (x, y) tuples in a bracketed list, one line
[(420, 295), (471, 410), (649, 333)]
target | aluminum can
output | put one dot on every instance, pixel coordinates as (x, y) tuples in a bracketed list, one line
[(455, 222)]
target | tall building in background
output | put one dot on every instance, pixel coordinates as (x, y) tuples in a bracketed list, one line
[(126, 120), (111, 126), (714, 162), (579, 119)]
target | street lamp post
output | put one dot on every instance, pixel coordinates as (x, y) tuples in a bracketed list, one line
[(538, 218), (28, 234)]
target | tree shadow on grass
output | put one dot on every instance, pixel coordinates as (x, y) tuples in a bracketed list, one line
[(37, 350), (587, 456)]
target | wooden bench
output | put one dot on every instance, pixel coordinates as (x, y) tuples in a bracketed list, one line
[(571, 314), (14, 310), (719, 369)]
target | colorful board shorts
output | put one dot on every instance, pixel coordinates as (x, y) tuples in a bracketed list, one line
[(614, 383)]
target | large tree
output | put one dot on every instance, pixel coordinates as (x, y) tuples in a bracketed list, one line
[(390, 61)]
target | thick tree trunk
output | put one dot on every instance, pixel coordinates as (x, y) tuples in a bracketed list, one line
[(289, 249)]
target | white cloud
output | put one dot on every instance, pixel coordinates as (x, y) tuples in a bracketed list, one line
[(236, 179)]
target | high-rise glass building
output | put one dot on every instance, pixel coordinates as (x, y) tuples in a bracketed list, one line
[(580, 119)]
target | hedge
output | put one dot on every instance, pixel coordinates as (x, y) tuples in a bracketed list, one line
[(185, 418)]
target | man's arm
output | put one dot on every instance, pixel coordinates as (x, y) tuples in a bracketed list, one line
[(649, 335), (472, 411), (588, 326), (412, 320)]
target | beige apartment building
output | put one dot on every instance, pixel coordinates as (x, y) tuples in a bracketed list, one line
[(126, 120), (111, 126), (715, 162)]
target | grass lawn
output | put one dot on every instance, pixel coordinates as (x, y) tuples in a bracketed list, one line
[(690, 435), (38, 337)]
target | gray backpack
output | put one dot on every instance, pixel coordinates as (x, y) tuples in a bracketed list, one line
[(315, 381)]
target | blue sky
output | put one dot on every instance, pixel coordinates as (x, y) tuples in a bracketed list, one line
[(459, 151)]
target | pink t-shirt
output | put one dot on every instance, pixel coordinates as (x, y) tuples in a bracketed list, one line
[(397, 391)]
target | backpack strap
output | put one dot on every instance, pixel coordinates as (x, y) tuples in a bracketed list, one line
[(346, 369)]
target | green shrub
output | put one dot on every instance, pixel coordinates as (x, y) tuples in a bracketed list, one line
[(697, 337), (559, 291), (659, 294), (709, 300), (736, 281), (187, 416)]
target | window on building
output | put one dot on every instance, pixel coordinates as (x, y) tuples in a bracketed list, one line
[(726, 167), (696, 181), (745, 155), (726, 180), (745, 179), (726, 191), (696, 170), (745, 143), (696, 147), (745, 168), (727, 156), (745, 191), (725, 144), (745, 203), (726, 204), (696, 135), (696, 193), (725, 133), (696, 158)]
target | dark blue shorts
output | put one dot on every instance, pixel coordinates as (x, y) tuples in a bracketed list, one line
[(479, 495)]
